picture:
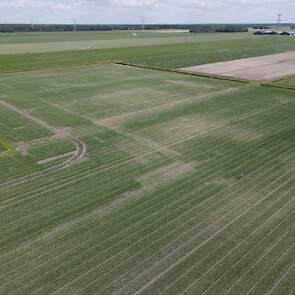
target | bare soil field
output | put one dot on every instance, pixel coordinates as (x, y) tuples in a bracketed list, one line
[(269, 67)]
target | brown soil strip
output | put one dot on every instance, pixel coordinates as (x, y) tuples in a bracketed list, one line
[(263, 68)]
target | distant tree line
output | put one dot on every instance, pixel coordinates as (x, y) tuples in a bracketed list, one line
[(10, 28), (224, 28), (75, 27)]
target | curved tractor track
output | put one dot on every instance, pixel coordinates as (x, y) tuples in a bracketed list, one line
[(75, 158)]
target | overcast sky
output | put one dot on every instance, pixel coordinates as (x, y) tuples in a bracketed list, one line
[(153, 11)]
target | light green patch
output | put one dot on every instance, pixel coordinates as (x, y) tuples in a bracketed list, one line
[(6, 149)]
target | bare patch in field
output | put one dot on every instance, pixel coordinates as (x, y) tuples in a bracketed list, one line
[(268, 67), (24, 147), (191, 84), (130, 97), (141, 152), (163, 176), (51, 159), (123, 118), (282, 100), (183, 127), (144, 144), (148, 158), (62, 132), (239, 133)]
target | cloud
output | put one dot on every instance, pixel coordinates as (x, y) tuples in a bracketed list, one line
[(156, 11), (133, 3), (137, 3), (195, 3)]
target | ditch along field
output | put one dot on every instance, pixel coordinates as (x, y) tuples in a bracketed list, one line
[(134, 181)]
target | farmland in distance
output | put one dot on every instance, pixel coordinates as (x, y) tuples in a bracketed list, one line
[(165, 52)]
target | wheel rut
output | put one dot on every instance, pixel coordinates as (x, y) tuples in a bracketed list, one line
[(78, 155)]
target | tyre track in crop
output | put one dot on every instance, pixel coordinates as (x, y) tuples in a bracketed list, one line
[(162, 261), (76, 157), (94, 171), (277, 214)]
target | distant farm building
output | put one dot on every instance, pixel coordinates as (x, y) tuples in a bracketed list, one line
[(275, 30)]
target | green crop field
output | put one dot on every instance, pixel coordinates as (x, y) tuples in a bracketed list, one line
[(2, 148), (13, 43), (53, 37), (288, 82), (136, 181), (185, 51)]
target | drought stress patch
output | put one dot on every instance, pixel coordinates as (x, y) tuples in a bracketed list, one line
[(2, 147), (5, 149)]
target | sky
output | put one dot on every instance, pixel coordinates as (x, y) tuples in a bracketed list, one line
[(153, 11)]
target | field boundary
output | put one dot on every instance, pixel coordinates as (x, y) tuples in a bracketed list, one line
[(272, 85), (163, 69), (209, 76), (216, 77)]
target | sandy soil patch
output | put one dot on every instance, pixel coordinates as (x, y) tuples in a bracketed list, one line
[(24, 147), (123, 118), (183, 127), (262, 68), (191, 84), (138, 144), (163, 176), (190, 127), (51, 159)]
